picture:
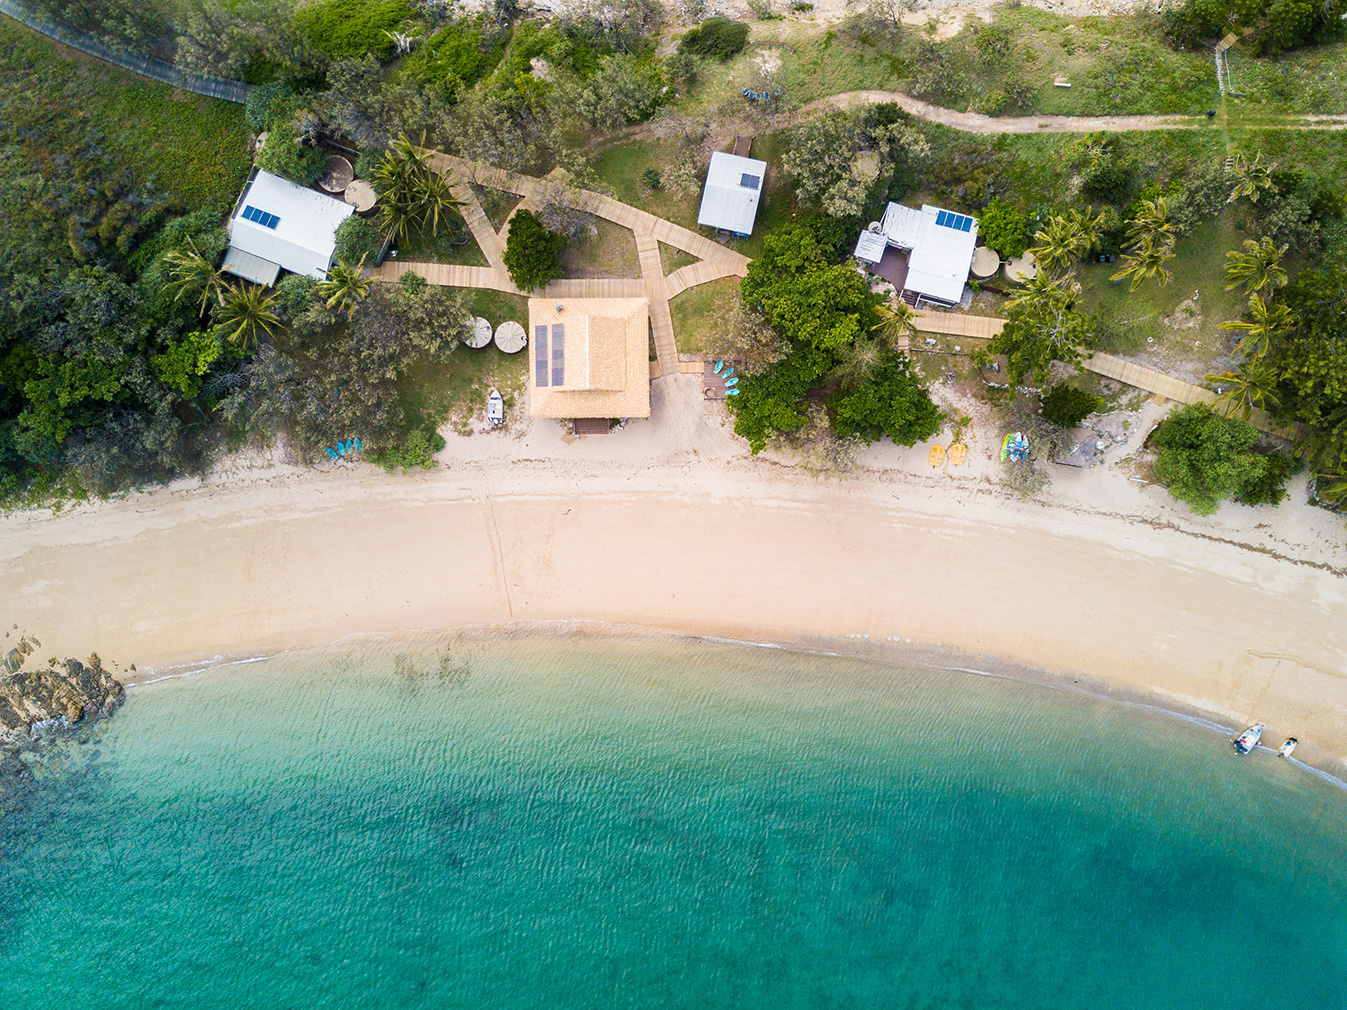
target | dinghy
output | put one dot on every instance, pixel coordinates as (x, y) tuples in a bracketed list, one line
[(1288, 748), (495, 409), (1248, 740)]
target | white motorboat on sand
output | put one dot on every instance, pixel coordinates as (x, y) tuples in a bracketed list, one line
[(1288, 748)]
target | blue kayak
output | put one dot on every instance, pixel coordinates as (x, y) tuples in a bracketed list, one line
[(329, 452)]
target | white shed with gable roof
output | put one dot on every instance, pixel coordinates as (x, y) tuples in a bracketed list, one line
[(279, 225), (733, 188)]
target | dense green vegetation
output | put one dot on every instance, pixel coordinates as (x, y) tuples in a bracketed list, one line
[(823, 313), (1205, 458), (532, 253)]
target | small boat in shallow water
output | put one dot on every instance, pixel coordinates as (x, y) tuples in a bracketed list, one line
[(1248, 740), (1288, 748)]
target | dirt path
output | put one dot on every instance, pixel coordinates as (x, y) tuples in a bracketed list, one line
[(972, 122)]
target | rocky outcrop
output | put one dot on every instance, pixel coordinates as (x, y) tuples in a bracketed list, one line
[(56, 697), (59, 695)]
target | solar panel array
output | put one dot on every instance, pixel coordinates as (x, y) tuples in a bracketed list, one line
[(540, 356), (260, 217), (558, 353), (959, 222), (750, 181)]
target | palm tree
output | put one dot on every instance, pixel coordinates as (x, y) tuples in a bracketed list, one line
[(858, 362), (1257, 267), (1252, 178), (412, 195), (1331, 487), (1252, 385), (1042, 289), (1089, 230), (245, 309), (1059, 244), (345, 287), (896, 321), (193, 274), (433, 199), (1151, 225), (1146, 261), (1266, 320)]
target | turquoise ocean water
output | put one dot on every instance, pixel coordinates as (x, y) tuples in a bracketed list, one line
[(562, 824)]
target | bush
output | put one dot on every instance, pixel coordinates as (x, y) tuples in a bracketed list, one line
[(416, 451), (532, 253), (293, 293), (348, 29), (651, 178), (1066, 406), (1004, 228), (458, 54), (1206, 458), (357, 240), (717, 37), (261, 100), (283, 154)]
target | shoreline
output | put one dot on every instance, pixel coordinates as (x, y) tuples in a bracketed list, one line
[(670, 526), (904, 654)]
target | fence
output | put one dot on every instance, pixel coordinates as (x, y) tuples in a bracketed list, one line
[(145, 66)]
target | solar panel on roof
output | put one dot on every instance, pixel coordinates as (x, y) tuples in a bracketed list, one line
[(967, 224), (558, 353), (750, 181), (540, 356), (261, 217), (942, 217)]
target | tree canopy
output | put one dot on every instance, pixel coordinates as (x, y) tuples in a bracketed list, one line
[(1205, 458), (532, 253), (822, 311)]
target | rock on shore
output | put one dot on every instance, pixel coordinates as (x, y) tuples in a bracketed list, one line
[(57, 696)]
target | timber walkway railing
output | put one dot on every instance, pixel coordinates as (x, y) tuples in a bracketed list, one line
[(145, 66)]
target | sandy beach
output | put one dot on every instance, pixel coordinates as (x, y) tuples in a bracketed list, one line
[(669, 524)]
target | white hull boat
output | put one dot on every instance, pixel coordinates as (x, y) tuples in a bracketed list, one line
[(1288, 748), (495, 408), (1248, 740)]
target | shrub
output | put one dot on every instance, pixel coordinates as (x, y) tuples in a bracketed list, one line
[(651, 178), (416, 451), (1004, 228), (261, 101), (357, 240), (457, 54), (532, 253), (293, 293), (1066, 406), (285, 155), (717, 37), (348, 29)]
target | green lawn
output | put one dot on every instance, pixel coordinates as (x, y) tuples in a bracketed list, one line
[(698, 313), (619, 168), (195, 148), (609, 252)]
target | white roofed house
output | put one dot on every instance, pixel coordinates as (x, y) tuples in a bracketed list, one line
[(926, 254), (278, 225), (733, 188)]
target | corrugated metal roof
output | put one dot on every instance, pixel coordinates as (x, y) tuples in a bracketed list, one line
[(733, 187), (304, 234), (941, 253), (250, 267)]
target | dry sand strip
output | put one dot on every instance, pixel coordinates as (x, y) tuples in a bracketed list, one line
[(171, 578)]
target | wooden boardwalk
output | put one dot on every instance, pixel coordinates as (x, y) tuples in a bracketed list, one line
[(1108, 365), (714, 261)]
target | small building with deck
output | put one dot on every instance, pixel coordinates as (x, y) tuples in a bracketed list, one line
[(733, 188), (925, 254), (589, 357), (278, 225)]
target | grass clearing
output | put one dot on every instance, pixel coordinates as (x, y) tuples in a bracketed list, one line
[(609, 252), (195, 148), (496, 205), (672, 259), (698, 314), (619, 168)]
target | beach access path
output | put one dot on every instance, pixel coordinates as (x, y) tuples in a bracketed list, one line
[(962, 324)]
